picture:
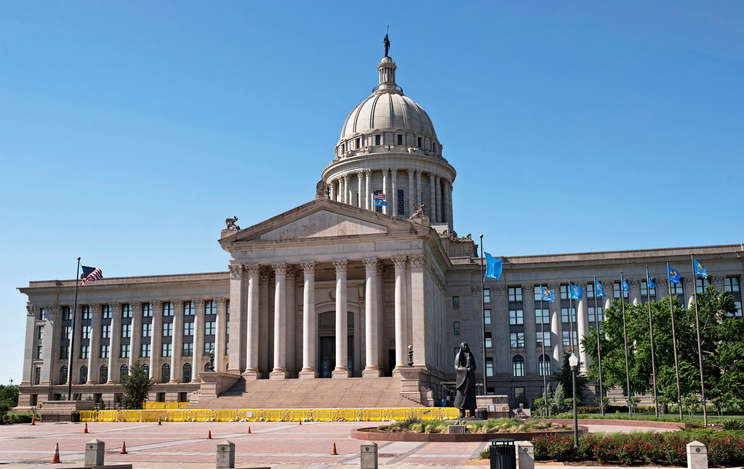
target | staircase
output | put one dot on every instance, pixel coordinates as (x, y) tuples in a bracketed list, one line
[(310, 393)]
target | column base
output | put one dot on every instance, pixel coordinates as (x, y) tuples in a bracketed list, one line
[(307, 373), (371, 372), (278, 373), (251, 374), (341, 373)]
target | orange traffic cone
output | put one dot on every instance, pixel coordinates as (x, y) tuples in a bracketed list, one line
[(300, 421), (249, 429), (85, 429), (33, 419), (333, 449), (123, 448), (55, 456), (159, 421), (209, 435)]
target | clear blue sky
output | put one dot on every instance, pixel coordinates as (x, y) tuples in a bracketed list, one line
[(130, 130)]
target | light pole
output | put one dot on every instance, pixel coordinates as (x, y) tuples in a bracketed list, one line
[(574, 362)]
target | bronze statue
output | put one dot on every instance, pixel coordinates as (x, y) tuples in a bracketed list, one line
[(231, 224), (419, 212), (210, 367), (465, 382), (386, 41)]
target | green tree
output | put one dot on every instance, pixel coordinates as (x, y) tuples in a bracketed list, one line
[(135, 385), (9, 395), (559, 398), (564, 378)]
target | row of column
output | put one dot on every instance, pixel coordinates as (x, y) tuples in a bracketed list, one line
[(245, 279), (440, 197)]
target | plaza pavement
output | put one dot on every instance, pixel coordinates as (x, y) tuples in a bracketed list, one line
[(270, 444)]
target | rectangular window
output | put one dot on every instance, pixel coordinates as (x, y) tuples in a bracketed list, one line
[(565, 314), (167, 309), (738, 313), (616, 291), (126, 311), (209, 307), (400, 139), (401, 203), (418, 141), (188, 349), (732, 285), (566, 342), (68, 332), (64, 351), (86, 332), (377, 139), (166, 350), (39, 349), (600, 316), (146, 310), (519, 393), (188, 308), (145, 349), (146, 329), (456, 328), (677, 288), (486, 295), (84, 351), (85, 311), (126, 330), (487, 317), (542, 316), (701, 284), (516, 317), (40, 333), (188, 328), (42, 313), (489, 340), (124, 350), (104, 351), (564, 292), (518, 366), (516, 339), (105, 331), (489, 366), (66, 314), (455, 302), (208, 347), (515, 294), (589, 290), (106, 311), (546, 338), (645, 292), (167, 329), (209, 327)]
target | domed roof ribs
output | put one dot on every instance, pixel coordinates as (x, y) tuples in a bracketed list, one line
[(358, 111), (372, 113)]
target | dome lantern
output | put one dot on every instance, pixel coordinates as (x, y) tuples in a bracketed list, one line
[(386, 69)]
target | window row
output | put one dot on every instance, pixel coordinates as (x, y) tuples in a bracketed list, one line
[(210, 307)]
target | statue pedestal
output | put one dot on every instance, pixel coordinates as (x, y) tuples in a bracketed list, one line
[(496, 405)]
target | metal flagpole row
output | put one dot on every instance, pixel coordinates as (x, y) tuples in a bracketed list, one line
[(674, 343), (599, 351), (651, 336), (625, 340), (71, 351), (699, 348)]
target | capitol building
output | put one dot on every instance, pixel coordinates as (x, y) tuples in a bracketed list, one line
[(357, 298)]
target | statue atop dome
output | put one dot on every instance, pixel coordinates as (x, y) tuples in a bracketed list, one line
[(386, 41)]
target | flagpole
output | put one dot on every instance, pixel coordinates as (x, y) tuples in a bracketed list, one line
[(72, 338), (674, 343), (483, 316), (700, 353), (651, 334), (570, 317), (625, 340), (542, 341), (599, 352)]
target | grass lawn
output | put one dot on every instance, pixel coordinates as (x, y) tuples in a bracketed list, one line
[(697, 418)]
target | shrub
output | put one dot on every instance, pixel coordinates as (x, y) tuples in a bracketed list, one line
[(733, 424)]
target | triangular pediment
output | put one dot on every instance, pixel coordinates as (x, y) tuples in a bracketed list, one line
[(321, 219)]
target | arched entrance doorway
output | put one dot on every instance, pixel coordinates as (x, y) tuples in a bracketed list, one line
[(327, 343)]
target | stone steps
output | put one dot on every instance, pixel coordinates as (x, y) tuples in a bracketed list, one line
[(310, 393)]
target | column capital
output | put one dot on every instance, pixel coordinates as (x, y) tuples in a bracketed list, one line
[(252, 269), (221, 302), (399, 261), (280, 269), (417, 262), (370, 264), (308, 267), (367, 172), (340, 265), (264, 275), (236, 271)]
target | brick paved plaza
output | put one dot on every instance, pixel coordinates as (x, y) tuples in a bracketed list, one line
[(175, 445)]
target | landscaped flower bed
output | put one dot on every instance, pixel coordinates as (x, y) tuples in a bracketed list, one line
[(725, 448), (503, 425)]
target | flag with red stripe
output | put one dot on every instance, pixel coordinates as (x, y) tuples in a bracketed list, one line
[(90, 273)]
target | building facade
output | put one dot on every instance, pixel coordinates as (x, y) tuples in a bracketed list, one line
[(369, 280)]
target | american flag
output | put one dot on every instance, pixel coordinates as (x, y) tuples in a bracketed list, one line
[(90, 273), (379, 195)]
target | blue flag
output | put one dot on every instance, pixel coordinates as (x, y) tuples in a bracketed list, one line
[(494, 265), (651, 280), (576, 292), (599, 288), (380, 203), (548, 294), (673, 274), (699, 269)]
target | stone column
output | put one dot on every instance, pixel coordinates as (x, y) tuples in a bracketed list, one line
[(360, 198), (280, 322), (418, 311), (635, 292), (449, 205), (198, 341), (135, 340), (114, 344), (379, 272), (581, 325), (432, 209), (400, 310), (556, 328), (251, 324), (220, 332), (177, 342), (28, 349), (237, 317), (94, 341), (332, 195), (419, 190), (263, 322), (531, 329), (342, 333), (367, 197), (371, 320), (291, 312), (308, 320), (411, 194), (155, 340), (394, 190), (384, 189), (438, 199)]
